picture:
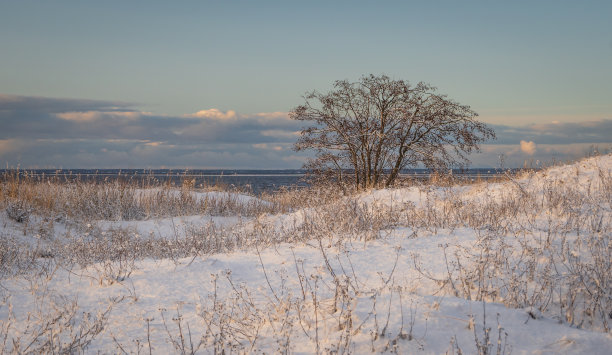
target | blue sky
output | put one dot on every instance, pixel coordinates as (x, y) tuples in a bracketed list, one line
[(207, 84)]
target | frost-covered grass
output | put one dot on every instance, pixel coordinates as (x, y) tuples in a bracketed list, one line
[(521, 265), (119, 200)]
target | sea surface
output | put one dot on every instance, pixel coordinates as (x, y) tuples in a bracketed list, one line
[(253, 181)]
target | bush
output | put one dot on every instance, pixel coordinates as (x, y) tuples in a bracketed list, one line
[(18, 211)]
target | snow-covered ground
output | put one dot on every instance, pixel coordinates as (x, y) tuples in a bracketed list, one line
[(410, 270)]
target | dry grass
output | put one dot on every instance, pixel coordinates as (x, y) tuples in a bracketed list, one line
[(80, 200)]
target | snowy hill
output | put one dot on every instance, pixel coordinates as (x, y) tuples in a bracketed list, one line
[(520, 266)]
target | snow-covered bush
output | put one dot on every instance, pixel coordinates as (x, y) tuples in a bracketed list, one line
[(18, 211), (55, 325), (542, 244)]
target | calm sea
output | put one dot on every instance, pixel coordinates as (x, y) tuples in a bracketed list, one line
[(255, 181)]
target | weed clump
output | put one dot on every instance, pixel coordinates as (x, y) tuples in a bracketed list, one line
[(18, 211)]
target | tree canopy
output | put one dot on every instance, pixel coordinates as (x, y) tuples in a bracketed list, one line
[(366, 132)]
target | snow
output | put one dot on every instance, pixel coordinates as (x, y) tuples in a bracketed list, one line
[(205, 195), (172, 227), (390, 290)]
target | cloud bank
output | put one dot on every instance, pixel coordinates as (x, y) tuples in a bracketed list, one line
[(591, 131), (46, 132), (74, 133)]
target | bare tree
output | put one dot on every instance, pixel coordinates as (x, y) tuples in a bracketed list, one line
[(368, 131)]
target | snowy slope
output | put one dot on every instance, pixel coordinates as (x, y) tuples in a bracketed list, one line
[(284, 296)]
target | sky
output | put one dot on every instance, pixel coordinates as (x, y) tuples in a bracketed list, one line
[(208, 84)]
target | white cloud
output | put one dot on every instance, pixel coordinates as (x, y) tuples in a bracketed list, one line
[(80, 116), (8, 146), (266, 146), (278, 133), (89, 116), (528, 148), (273, 116), (154, 144), (4, 99), (214, 113)]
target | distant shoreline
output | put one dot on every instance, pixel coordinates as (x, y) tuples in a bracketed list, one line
[(254, 181)]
